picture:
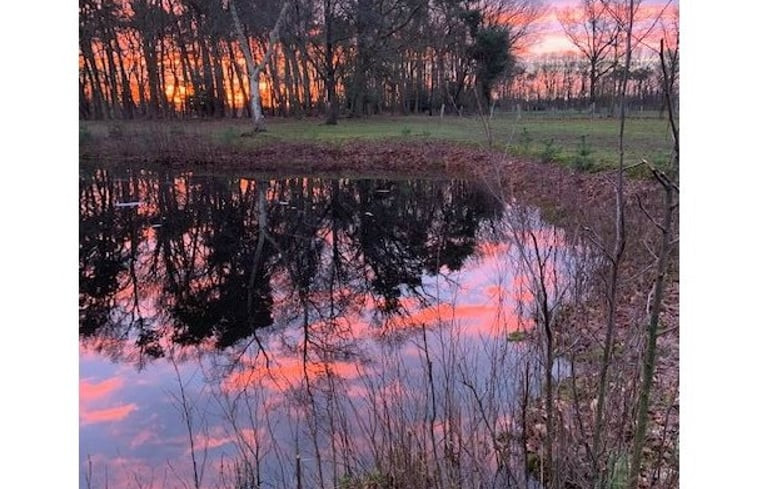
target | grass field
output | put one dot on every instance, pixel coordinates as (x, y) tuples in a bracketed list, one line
[(578, 141)]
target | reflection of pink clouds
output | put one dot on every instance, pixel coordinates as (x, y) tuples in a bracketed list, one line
[(89, 391), (122, 472), (288, 373), (97, 347), (447, 312), (241, 438), (495, 292), (142, 438), (489, 319), (340, 294), (208, 442), (486, 304), (490, 249), (483, 307), (521, 289), (106, 415), (101, 391)]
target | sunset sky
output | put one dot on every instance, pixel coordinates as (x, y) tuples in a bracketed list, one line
[(551, 39)]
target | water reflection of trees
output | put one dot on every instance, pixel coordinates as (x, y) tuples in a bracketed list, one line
[(208, 260)]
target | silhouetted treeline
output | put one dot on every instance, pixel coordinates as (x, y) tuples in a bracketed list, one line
[(562, 83), (182, 58), (178, 58)]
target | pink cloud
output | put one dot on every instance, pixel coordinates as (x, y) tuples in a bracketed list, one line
[(106, 415), (143, 437), (90, 391)]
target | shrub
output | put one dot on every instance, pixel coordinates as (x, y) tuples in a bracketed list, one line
[(524, 140), (550, 151), (619, 468), (583, 160)]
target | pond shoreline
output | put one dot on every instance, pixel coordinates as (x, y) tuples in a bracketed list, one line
[(567, 198), (390, 156)]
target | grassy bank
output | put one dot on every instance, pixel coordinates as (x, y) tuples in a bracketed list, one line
[(569, 139)]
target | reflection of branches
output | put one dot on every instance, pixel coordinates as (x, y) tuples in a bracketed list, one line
[(547, 301), (260, 189), (186, 411), (247, 438), (143, 484), (196, 245), (88, 472)]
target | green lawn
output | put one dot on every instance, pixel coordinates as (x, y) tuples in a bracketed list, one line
[(577, 140)]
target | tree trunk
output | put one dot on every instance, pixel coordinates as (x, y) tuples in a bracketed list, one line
[(255, 107), (593, 86), (618, 249), (94, 78), (650, 359), (153, 83), (207, 75), (290, 81), (127, 100), (253, 70), (111, 78), (306, 88), (274, 88), (84, 108), (333, 104), (238, 71), (220, 94)]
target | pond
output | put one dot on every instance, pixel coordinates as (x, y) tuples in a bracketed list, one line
[(251, 331)]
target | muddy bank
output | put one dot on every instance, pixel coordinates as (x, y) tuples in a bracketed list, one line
[(544, 184), (185, 152)]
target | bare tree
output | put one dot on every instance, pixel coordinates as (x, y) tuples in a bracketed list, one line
[(253, 69), (594, 31), (661, 267), (669, 66), (518, 16), (187, 409)]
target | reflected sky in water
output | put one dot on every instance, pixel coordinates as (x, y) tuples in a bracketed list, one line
[(311, 316)]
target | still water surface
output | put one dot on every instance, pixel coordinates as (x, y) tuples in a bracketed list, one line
[(298, 331)]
